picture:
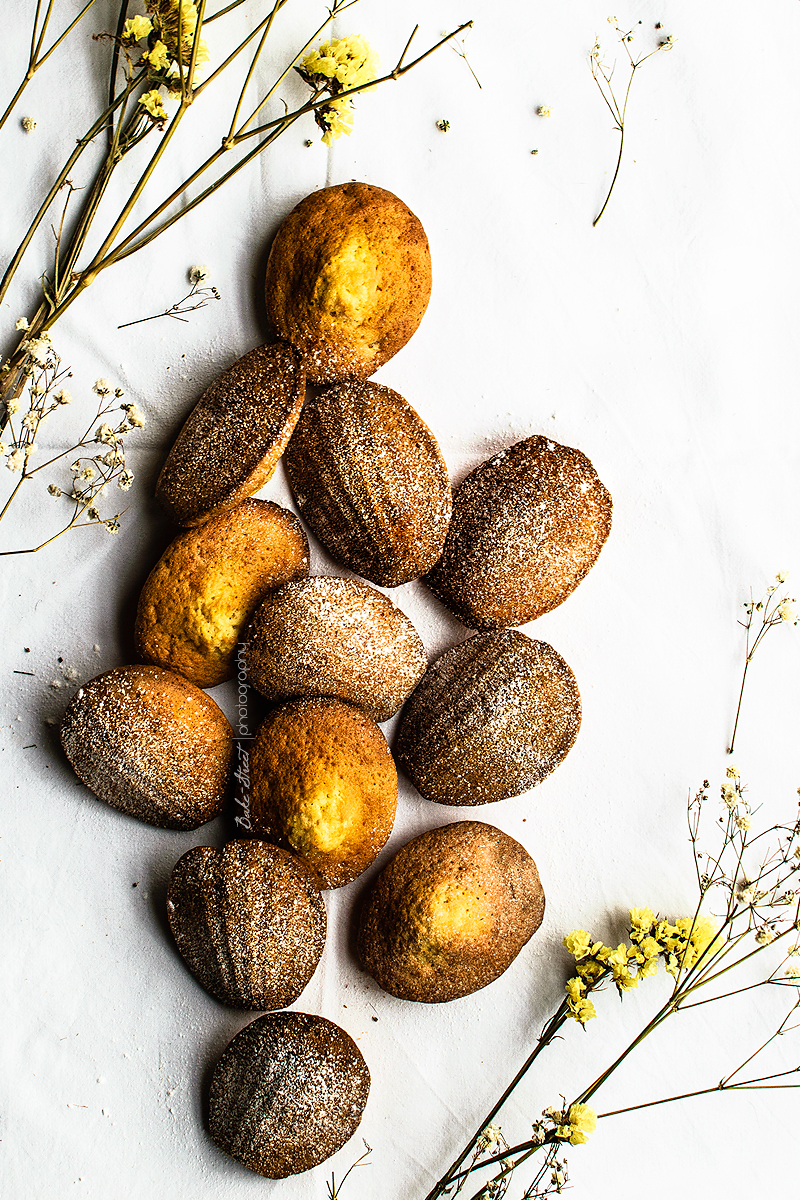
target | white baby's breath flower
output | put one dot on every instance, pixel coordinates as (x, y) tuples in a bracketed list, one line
[(38, 348), (22, 323), (93, 514), (102, 387), (54, 489), (748, 894), (15, 461), (199, 274), (62, 396), (765, 935), (87, 473), (105, 433), (544, 110), (125, 480), (29, 420), (28, 124), (30, 450), (112, 526), (786, 612), (13, 406), (135, 415), (743, 823), (732, 772), (792, 971)]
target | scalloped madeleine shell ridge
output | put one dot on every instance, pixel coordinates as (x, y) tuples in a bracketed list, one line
[(527, 527)]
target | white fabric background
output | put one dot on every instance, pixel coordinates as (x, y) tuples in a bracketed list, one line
[(663, 345)]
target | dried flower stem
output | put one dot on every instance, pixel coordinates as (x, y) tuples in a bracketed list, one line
[(334, 1188), (603, 76), (773, 611), (201, 296)]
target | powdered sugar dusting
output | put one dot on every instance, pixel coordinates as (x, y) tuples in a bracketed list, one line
[(491, 719), (287, 1093), (527, 527), (151, 744), (327, 636)]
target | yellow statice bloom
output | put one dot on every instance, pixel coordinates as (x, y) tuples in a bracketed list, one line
[(176, 22), (578, 1006), (158, 57), (137, 28), (348, 61), (642, 921), (335, 119), (152, 102), (578, 943), (581, 1120)]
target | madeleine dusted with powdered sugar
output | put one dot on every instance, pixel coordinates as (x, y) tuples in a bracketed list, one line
[(150, 744), (326, 636), (232, 439), (287, 1093), (369, 478), (249, 921), (491, 718), (527, 526)]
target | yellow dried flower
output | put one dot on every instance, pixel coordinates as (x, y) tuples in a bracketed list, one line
[(158, 57), (137, 28), (581, 1120), (578, 943), (152, 102), (350, 61)]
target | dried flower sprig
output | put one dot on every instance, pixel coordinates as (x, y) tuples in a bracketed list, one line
[(335, 67), (334, 1188), (771, 610), (155, 60), (618, 105), (751, 884), (200, 294), (104, 439)]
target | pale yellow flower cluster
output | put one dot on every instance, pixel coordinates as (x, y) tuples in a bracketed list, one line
[(680, 946), (573, 1126), (169, 31), (337, 66), (348, 61)]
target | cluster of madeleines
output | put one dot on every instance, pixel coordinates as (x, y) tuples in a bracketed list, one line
[(348, 280)]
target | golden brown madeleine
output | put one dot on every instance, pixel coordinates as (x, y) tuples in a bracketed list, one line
[(233, 437), (491, 718), (150, 744), (207, 583), (287, 1093), (527, 526), (249, 921), (370, 480), (326, 636), (450, 913), (323, 785), (348, 280)]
